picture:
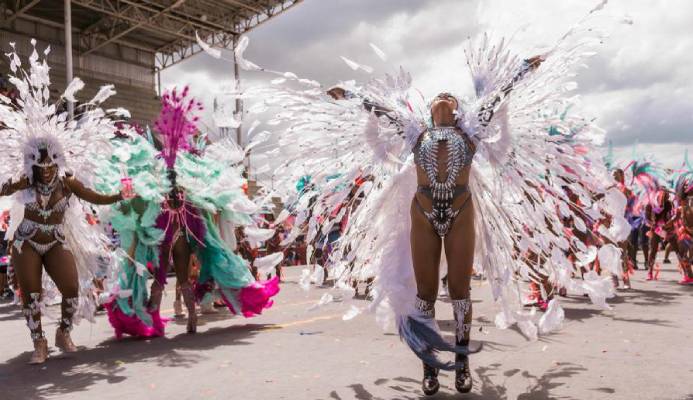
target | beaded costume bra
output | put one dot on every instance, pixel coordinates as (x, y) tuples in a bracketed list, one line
[(443, 193)]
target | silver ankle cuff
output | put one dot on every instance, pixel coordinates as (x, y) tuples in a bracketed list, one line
[(462, 305), (37, 335), (425, 307), (461, 308)]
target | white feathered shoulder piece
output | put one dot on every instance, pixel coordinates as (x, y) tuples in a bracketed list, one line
[(540, 189), (397, 116), (334, 144)]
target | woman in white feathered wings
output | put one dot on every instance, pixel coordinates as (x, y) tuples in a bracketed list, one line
[(49, 225), (427, 192)]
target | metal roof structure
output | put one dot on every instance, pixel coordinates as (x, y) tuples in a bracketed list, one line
[(164, 29)]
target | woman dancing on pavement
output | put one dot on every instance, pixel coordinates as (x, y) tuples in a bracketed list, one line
[(658, 213), (57, 156), (683, 226), (438, 198), (176, 219)]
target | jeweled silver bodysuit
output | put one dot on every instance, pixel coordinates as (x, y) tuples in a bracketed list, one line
[(443, 193), (27, 229)]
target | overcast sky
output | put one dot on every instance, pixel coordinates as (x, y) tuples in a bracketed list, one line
[(638, 87)]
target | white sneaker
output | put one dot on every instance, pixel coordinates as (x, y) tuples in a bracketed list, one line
[(208, 308)]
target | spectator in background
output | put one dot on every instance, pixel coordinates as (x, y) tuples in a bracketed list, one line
[(274, 246), (5, 291), (246, 251)]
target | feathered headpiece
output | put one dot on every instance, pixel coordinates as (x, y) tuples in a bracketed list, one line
[(646, 174), (684, 181), (177, 123), (31, 123)]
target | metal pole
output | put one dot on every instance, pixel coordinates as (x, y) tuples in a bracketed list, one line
[(68, 52), (158, 82), (239, 104)]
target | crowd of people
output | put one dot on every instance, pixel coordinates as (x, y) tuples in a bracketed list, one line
[(659, 215)]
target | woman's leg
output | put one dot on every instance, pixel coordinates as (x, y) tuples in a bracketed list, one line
[(645, 243), (687, 257), (684, 252), (3, 280), (633, 246), (544, 294), (425, 251), (181, 263), (27, 269), (60, 265), (28, 274), (177, 304), (667, 252), (459, 250), (654, 247), (626, 262)]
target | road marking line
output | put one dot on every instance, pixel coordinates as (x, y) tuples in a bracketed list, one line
[(282, 305), (288, 324), (302, 322)]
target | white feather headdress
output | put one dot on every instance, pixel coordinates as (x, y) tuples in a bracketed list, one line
[(31, 122)]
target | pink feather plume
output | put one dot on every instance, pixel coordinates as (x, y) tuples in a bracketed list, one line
[(177, 123)]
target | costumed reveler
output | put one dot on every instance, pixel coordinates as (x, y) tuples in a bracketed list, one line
[(643, 175), (187, 191), (47, 165), (460, 176), (683, 222), (655, 208)]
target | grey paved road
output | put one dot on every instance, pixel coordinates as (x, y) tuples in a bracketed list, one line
[(642, 349)]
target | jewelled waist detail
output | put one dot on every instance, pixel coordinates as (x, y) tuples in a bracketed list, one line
[(28, 228)]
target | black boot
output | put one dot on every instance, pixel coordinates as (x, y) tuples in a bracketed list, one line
[(430, 384), (463, 376)]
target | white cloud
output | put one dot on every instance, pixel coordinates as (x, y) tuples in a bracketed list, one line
[(638, 87)]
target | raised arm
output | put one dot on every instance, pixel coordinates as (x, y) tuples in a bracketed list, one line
[(89, 195), (485, 114), (8, 188)]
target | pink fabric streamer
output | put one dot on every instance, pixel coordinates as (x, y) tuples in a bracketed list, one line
[(254, 298), (257, 296), (131, 325)]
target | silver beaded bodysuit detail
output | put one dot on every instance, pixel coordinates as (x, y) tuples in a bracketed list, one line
[(28, 228), (442, 193)]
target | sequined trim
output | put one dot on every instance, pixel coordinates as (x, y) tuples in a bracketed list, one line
[(59, 207), (460, 154), (32, 312), (461, 309), (27, 230), (462, 305), (70, 305), (426, 307)]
